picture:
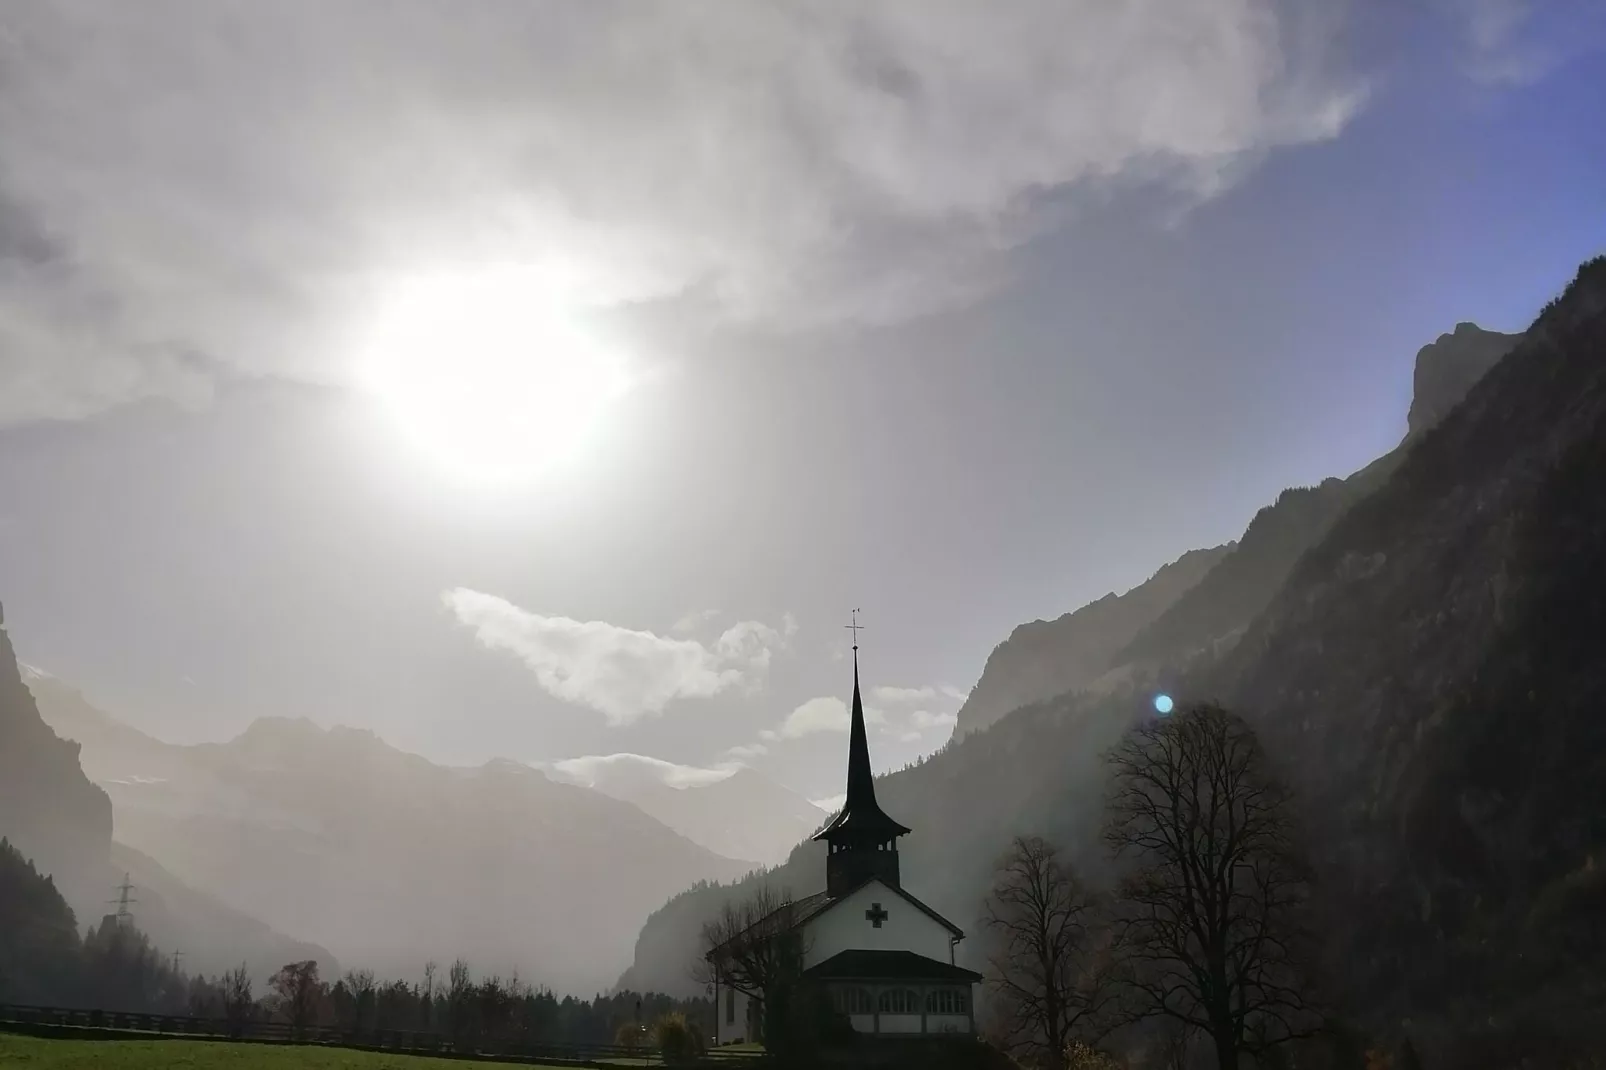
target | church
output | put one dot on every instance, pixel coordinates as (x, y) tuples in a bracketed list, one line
[(883, 958)]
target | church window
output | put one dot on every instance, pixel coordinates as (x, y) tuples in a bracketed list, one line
[(730, 1005), (899, 1001), (947, 1001), (852, 1001)]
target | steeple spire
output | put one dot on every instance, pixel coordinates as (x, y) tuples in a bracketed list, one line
[(862, 836), (861, 781)]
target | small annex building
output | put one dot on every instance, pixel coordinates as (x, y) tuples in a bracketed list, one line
[(883, 958)]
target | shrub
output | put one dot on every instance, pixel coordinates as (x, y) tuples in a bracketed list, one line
[(1080, 1056), (676, 1039)]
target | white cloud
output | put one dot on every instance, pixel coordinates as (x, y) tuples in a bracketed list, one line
[(621, 772), (832, 804), (926, 720), (195, 189), (824, 714), (746, 750), (895, 695), (623, 673)]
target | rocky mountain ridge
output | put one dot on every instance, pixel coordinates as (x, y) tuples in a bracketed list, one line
[(1200, 603)]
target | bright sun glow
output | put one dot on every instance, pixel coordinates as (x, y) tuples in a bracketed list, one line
[(486, 374)]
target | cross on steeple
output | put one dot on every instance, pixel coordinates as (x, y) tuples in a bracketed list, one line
[(855, 628), (875, 915)]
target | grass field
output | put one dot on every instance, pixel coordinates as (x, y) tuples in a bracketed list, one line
[(39, 1054)]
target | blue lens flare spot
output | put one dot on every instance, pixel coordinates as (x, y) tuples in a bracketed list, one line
[(1163, 704)]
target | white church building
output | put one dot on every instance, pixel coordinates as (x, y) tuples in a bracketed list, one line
[(884, 958)]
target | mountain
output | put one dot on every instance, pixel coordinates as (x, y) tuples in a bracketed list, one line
[(1201, 602), (1447, 368), (388, 859), (1261, 630), (742, 814), (78, 841), (1431, 675), (49, 809), (1073, 652), (211, 936)]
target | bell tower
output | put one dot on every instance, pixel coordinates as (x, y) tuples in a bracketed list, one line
[(862, 841)]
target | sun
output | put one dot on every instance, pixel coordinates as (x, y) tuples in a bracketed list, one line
[(486, 373)]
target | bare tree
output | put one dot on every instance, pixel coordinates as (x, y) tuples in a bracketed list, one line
[(753, 945), (1052, 981), (299, 991), (238, 1000), (1212, 923), (427, 997), (360, 983)]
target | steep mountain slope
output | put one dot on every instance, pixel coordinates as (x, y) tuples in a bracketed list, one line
[(1447, 368), (388, 859), (1038, 770), (1047, 658), (48, 809), (1199, 604), (1432, 675)]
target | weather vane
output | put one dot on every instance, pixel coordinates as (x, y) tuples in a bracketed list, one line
[(855, 628)]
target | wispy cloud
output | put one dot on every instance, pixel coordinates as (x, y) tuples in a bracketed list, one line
[(894, 696), (620, 772), (1515, 42), (692, 622), (192, 188), (832, 804), (623, 673)]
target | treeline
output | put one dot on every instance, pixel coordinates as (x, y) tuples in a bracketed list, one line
[(45, 962)]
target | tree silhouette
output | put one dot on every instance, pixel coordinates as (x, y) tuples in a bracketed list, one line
[(1211, 925), (754, 946), (1050, 980), (299, 991)]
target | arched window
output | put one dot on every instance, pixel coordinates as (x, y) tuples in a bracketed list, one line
[(852, 1001), (948, 1001), (899, 1001)]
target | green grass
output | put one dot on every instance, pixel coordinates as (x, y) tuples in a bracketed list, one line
[(40, 1054)]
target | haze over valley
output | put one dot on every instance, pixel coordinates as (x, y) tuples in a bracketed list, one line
[(473, 484)]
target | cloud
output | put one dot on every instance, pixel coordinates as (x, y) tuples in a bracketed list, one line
[(746, 750), (622, 673), (926, 720), (824, 714), (194, 191), (832, 804), (693, 621), (1516, 42), (621, 772), (894, 696)]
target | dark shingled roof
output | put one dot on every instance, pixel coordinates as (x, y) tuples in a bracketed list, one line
[(864, 965)]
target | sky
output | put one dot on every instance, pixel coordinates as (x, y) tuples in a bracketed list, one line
[(551, 380)]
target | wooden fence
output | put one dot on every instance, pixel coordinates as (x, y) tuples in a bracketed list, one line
[(103, 1024)]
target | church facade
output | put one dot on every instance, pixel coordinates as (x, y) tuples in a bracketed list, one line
[(883, 958)]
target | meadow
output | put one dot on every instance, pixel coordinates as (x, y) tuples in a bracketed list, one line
[(36, 1053)]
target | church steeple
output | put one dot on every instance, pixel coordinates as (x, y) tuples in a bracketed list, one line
[(862, 838)]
